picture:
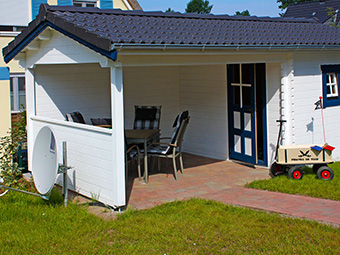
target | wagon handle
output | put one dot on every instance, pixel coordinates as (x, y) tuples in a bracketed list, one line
[(279, 136)]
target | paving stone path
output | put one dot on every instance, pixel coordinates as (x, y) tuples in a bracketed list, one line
[(224, 181)]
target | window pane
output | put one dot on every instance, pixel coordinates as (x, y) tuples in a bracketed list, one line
[(236, 74), (90, 5), (22, 101), (332, 85), (237, 95), (21, 81), (246, 70), (12, 102), (77, 4), (246, 96), (11, 84), (333, 89)]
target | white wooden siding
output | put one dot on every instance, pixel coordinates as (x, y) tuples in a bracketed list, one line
[(89, 153), (273, 106), (203, 91), (307, 89), (62, 89), (60, 49), (152, 86)]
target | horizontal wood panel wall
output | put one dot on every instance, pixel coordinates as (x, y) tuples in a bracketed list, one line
[(273, 77), (203, 91), (307, 89), (152, 86), (89, 153), (62, 89)]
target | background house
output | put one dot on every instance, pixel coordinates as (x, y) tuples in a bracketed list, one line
[(14, 17), (323, 11)]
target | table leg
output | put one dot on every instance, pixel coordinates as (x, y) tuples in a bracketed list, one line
[(146, 177)]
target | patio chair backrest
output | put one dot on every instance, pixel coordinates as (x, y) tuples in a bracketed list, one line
[(147, 117), (101, 121), (75, 117), (180, 117), (181, 132), (180, 124)]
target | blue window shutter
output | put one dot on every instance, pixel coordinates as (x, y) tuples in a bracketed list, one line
[(65, 2), (106, 4), (35, 7), (4, 73)]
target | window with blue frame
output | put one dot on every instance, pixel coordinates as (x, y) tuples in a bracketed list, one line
[(330, 85), (85, 3)]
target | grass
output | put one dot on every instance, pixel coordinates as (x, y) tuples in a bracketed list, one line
[(30, 225), (308, 186)]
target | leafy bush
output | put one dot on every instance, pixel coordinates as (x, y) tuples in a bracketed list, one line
[(9, 145)]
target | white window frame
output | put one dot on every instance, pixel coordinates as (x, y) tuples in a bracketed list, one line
[(241, 85), (16, 93), (332, 84), (85, 3)]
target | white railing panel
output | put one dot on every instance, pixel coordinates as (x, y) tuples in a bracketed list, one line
[(89, 153)]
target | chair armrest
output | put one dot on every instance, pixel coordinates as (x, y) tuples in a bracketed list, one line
[(132, 147), (162, 138), (169, 144)]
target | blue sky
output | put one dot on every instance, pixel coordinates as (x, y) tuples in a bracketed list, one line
[(255, 7)]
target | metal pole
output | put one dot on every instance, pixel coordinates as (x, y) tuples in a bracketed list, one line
[(24, 191), (65, 189)]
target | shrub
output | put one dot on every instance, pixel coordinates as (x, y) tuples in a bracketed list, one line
[(9, 145)]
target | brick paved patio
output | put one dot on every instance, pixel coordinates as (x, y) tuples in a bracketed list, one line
[(224, 181)]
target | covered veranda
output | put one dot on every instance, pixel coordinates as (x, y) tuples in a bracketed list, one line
[(77, 79), (97, 154), (64, 75)]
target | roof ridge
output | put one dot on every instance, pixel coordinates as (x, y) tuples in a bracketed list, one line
[(46, 7)]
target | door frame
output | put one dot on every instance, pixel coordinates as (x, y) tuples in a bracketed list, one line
[(254, 135)]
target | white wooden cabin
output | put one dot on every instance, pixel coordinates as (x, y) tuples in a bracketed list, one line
[(65, 75)]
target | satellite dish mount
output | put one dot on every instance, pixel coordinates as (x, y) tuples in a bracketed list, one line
[(45, 167)]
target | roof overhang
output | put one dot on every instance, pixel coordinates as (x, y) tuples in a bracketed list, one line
[(8, 56), (224, 47)]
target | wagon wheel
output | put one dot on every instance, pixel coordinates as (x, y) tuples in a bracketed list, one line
[(316, 167), (276, 170), (295, 172), (325, 173)]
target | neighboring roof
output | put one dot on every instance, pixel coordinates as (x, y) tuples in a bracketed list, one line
[(107, 30), (317, 10), (134, 4)]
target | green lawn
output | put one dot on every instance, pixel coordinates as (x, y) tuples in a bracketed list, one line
[(30, 225), (308, 186)]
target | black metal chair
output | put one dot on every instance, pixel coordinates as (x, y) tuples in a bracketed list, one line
[(130, 153), (173, 148)]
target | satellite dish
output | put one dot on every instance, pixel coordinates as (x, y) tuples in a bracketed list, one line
[(44, 161)]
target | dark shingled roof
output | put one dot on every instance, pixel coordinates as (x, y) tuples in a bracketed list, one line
[(317, 10), (106, 30)]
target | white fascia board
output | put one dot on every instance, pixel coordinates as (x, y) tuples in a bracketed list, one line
[(127, 4)]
